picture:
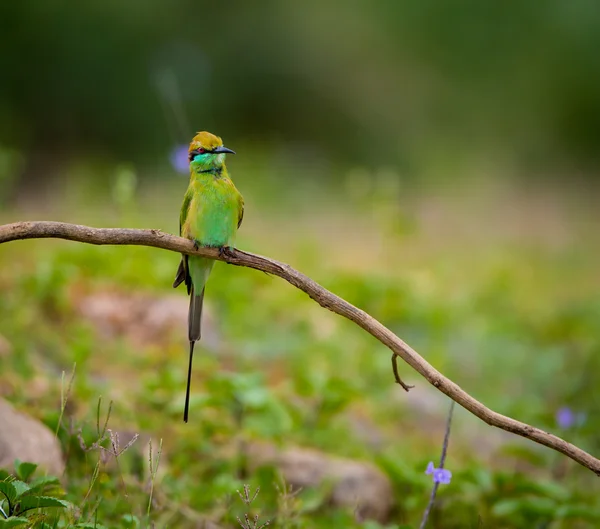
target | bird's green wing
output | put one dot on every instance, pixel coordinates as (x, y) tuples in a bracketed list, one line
[(185, 207), (240, 211), (183, 273)]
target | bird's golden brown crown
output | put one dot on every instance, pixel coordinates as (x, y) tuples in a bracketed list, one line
[(205, 140)]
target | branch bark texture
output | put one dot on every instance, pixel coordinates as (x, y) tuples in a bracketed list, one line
[(325, 298)]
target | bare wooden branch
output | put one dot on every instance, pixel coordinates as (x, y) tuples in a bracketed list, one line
[(328, 300)]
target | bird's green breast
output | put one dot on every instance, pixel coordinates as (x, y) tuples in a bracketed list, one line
[(213, 211)]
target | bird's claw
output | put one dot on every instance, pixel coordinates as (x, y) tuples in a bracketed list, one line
[(196, 245), (226, 252)]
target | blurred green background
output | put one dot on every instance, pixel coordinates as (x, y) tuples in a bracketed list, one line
[(347, 81), (435, 164)]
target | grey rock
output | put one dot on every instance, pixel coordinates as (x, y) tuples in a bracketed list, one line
[(25, 438), (354, 484), (142, 318)]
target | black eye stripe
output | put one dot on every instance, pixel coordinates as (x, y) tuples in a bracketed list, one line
[(201, 150)]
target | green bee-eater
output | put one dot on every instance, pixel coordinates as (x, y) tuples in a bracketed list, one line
[(211, 214)]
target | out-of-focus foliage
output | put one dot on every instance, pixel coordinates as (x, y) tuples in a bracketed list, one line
[(356, 81), (332, 106), (32, 502), (510, 316)]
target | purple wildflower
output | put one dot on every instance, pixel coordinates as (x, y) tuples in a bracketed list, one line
[(566, 418), (179, 159), (440, 475)]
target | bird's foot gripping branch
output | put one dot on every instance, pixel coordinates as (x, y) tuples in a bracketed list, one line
[(328, 300)]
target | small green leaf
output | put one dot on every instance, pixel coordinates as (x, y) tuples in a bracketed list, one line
[(314, 499), (552, 490), (27, 503), (534, 505), (253, 397), (88, 525), (20, 487), (54, 525), (40, 483), (14, 521), (8, 490), (578, 511), (483, 478), (506, 507), (130, 521), (24, 470)]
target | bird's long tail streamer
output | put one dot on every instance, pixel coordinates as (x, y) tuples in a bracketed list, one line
[(189, 383), (194, 333)]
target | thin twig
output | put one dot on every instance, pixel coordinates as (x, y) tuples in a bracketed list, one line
[(447, 436), (405, 386), (442, 461), (158, 239)]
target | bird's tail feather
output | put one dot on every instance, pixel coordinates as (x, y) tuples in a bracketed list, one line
[(194, 332), (189, 383), (195, 315)]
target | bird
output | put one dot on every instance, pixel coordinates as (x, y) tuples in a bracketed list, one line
[(211, 213)]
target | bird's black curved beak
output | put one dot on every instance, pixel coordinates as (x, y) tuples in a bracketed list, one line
[(223, 150)]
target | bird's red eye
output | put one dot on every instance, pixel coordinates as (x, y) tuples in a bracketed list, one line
[(201, 150)]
